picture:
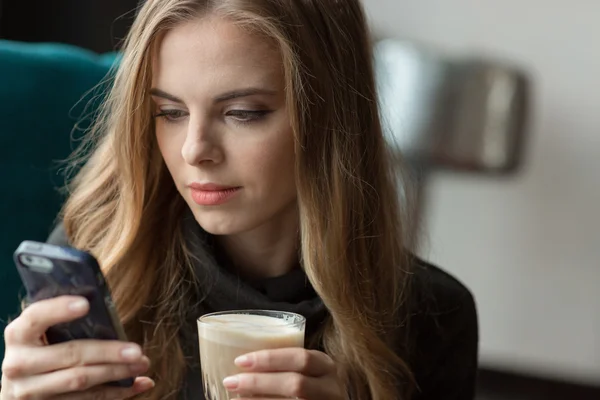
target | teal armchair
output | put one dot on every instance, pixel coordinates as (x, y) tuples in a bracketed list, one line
[(45, 89)]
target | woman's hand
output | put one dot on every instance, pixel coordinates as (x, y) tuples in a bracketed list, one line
[(286, 373), (71, 370)]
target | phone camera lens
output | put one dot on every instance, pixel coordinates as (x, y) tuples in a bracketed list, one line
[(38, 264)]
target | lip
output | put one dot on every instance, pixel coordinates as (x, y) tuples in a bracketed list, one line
[(212, 194)]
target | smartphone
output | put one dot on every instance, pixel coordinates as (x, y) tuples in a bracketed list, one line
[(49, 271)]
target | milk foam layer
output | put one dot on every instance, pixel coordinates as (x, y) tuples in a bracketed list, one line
[(249, 331)]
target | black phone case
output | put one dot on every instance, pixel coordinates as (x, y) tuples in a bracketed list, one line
[(74, 272)]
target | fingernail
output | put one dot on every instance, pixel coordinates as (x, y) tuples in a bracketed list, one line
[(231, 382), (243, 361), (131, 353), (78, 305), (146, 384)]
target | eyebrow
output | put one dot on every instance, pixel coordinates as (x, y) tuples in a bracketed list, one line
[(235, 94), (159, 93)]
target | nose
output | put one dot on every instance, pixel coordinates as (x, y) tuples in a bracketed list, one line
[(201, 144)]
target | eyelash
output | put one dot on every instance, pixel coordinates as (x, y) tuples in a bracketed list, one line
[(248, 116), (169, 116)]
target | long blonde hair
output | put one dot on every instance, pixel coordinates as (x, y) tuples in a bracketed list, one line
[(124, 208)]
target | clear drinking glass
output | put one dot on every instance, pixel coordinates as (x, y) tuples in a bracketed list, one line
[(226, 335)]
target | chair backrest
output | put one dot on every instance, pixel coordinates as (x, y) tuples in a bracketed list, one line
[(464, 113), (42, 96)]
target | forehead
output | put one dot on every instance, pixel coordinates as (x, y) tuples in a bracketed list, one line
[(214, 49)]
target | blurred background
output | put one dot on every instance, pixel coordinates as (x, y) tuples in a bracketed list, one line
[(527, 243), (497, 106)]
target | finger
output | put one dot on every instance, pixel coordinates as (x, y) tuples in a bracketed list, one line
[(35, 320), (284, 384), (26, 361), (308, 362), (140, 385), (75, 379)]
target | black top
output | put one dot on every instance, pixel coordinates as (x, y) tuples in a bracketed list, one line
[(444, 327)]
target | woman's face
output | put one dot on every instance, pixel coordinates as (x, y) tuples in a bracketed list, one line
[(222, 125)]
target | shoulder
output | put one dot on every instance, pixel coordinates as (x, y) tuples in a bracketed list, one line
[(58, 236), (444, 333), (436, 291)]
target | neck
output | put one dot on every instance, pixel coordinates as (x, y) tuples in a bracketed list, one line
[(267, 251)]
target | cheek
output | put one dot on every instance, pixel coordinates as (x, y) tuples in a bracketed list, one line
[(273, 163), (170, 150)]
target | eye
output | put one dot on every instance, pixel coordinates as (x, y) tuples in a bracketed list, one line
[(247, 116), (171, 115)]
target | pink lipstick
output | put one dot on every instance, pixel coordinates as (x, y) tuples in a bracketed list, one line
[(212, 194)]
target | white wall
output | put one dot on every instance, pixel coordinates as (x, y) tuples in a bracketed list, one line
[(528, 247)]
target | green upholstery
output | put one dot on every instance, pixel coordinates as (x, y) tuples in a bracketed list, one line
[(42, 95)]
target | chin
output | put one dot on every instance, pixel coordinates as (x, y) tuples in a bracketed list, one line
[(221, 223)]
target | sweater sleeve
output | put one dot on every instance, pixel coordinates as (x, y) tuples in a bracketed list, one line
[(446, 327)]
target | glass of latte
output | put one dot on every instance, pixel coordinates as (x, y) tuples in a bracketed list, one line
[(224, 336)]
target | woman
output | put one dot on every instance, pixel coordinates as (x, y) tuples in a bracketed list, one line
[(239, 153)]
